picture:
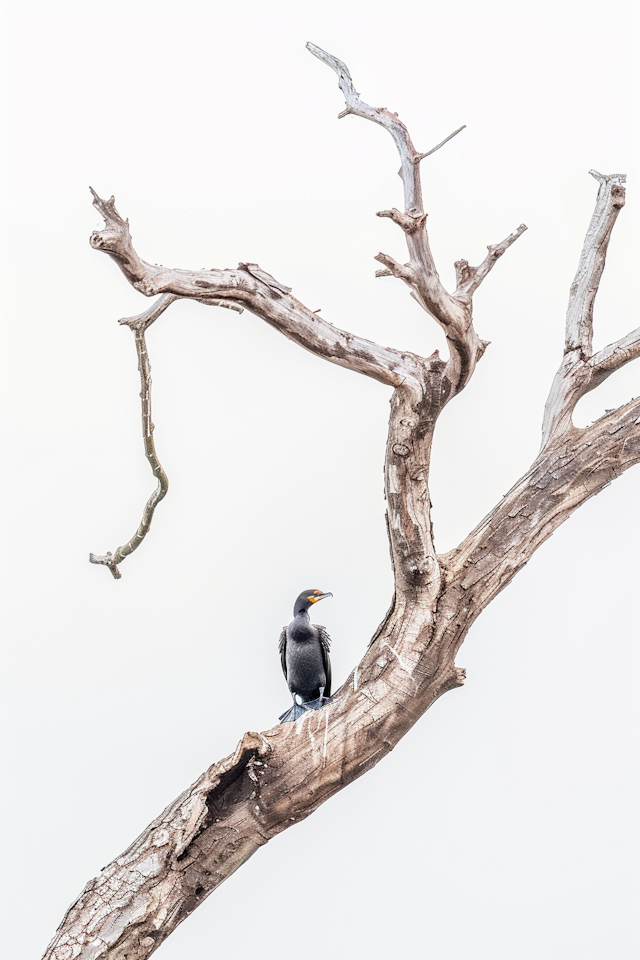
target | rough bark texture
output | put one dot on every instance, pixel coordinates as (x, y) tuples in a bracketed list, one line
[(277, 778)]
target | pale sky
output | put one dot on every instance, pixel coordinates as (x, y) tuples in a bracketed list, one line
[(505, 824)]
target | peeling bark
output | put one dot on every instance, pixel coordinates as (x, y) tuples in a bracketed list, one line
[(277, 778)]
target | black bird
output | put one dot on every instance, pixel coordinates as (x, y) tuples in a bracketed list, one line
[(304, 655)]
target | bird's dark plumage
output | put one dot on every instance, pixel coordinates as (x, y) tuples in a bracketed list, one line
[(304, 655)]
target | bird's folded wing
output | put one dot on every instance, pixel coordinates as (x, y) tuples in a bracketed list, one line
[(282, 647), (325, 642)]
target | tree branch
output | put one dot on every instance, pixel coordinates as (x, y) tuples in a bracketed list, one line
[(251, 287), (579, 371), (138, 325), (579, 325), (422, 156), (611, 358), (566, 473), (453, 313), (142, 321), (469, 278), (409, 156)]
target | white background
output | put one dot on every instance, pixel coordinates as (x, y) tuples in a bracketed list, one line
[(505, 824)]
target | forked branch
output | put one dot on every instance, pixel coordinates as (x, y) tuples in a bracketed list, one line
[(452, 312), (581, 371)]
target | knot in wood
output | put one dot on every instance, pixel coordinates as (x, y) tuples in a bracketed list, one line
[(618, 195), (421, 568), (401, 450), (407, 422), (462, 270)]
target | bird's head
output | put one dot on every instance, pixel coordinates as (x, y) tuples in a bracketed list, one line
[(307, 598)]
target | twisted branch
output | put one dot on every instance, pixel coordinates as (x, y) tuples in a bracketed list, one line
[(139, 325)]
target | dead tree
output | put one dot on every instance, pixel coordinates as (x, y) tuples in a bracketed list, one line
[(277, 778)]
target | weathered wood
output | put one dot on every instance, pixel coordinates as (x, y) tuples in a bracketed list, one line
[(277, 778), (579, 371), (451, 311)]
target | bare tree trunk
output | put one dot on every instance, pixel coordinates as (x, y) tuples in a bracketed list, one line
[(277, 778)]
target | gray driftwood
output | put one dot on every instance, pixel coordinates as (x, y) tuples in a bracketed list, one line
[(277, 778)]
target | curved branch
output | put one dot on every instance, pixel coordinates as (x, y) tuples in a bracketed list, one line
[(138, 325), (142, 321), (409, 156), (251, 287)]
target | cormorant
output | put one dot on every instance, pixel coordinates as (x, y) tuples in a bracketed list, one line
[(304, 655)]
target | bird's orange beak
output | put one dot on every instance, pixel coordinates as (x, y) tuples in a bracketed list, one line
[(318, 596)]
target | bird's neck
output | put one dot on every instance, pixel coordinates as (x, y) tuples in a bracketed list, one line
[(302, 615)]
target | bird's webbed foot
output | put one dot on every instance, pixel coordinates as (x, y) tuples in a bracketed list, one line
[(293, 713), (316, 704)]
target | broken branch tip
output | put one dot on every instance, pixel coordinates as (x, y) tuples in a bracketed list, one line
[(106, 561), (603, 177)]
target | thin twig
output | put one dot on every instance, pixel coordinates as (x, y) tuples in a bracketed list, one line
[(143, 320), (469, 278), (421, 156), (144, 366)]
